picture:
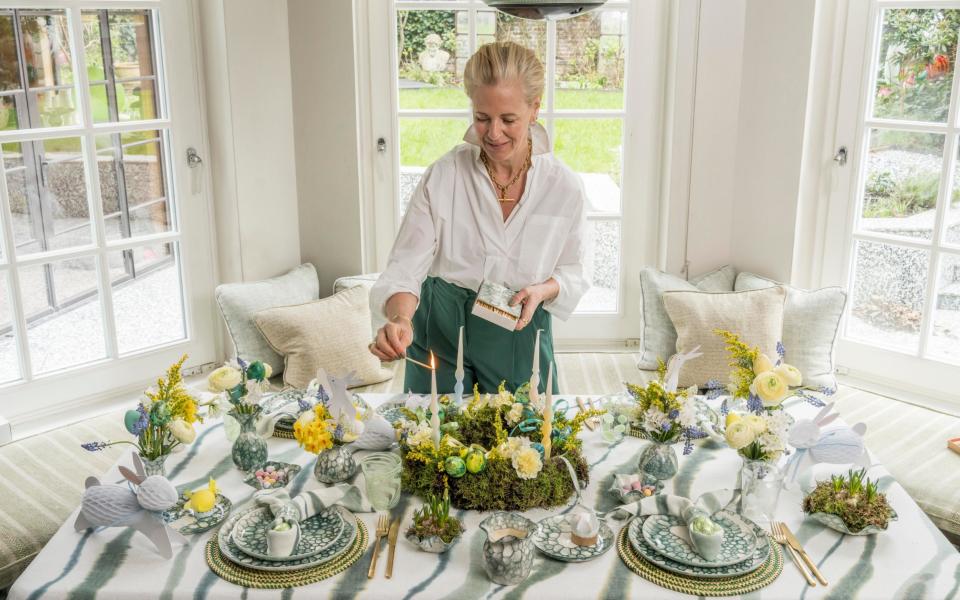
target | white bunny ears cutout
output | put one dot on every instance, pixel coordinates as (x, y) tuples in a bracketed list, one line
[(672, 377)]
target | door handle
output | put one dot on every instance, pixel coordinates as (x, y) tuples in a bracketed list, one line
[(841, 156)]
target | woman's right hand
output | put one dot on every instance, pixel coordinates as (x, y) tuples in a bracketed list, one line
[(393, 339)]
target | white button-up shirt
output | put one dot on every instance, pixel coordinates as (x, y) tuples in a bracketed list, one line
[(454, 229)]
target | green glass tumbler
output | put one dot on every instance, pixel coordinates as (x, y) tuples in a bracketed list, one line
[(381, 474)]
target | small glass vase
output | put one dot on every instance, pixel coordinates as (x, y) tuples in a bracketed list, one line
[(658, 463), (334, 465), (381, 474), (760, 485), (155, 466), (249, 450)]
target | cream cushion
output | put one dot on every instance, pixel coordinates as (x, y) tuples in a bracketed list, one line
[(332, 333), (756, 316)]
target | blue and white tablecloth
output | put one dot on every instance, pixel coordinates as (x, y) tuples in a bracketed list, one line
[(911, 560)]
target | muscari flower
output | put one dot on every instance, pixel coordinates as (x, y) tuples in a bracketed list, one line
[(94, 446)]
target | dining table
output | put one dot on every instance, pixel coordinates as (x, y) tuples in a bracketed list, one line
[(911, 559)]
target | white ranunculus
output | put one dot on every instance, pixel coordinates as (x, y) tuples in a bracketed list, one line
[(762, 364), (770, 387), (182, 431), (756, 423), (223, 379), (790, 374), (739, 435)]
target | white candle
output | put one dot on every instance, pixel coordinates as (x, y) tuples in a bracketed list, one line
[(434, 403), (459, 373), (535, 374), (547, 430)]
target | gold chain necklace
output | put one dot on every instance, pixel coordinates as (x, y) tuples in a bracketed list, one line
[(502, 189)]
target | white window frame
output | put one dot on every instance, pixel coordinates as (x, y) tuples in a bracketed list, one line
[(913, 376), (646, 77), (31, 402)]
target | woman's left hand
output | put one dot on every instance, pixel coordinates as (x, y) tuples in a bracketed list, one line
[(531, 297)]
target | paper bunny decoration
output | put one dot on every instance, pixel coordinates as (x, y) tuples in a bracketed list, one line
[(137, 506), (839, 445), (377, 432), (672, 376)]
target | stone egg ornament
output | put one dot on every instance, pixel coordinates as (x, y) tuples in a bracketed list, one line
[(455, 466)]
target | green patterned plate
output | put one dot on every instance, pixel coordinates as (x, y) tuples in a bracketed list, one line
[(641, 547), (233, 553), (669, 536), (552, 537), (316, 534), (188, 522)]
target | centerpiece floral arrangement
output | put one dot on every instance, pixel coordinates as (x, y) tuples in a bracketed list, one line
[(164, 419), (492, 452), (667, 415)]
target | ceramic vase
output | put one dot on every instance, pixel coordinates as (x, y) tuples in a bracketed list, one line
[(658, 463), (335, 465), (508, 549), (155, 466), (249, 450)]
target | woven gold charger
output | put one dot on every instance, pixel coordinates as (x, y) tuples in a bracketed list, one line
[(275, 580), (729, 586), (283, 434)]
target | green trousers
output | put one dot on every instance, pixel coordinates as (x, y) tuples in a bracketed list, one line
[(491, 354)]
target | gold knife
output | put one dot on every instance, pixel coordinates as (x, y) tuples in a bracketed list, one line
[(795, 544), (392, 542)]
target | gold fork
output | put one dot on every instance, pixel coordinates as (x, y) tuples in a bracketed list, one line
[(383, 524), (781, 538)]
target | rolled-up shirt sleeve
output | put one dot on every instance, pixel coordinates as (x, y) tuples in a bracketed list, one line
[(412, 254), (569, 270)]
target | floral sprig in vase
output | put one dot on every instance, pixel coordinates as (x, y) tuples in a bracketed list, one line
[(762, 383), (320, 432), (758, 437), (163, 420), (242, 385)]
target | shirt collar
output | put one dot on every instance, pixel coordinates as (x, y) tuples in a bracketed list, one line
[(541, 141)]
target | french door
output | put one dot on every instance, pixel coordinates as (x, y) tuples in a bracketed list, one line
[(894, 215), (591, 79), (105, 262)]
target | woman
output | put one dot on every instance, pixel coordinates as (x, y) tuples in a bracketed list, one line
[(500, 208)]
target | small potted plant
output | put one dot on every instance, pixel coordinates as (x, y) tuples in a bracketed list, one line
[(850, 504), (433, 529)]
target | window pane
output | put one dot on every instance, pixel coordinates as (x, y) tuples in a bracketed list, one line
[(136, 100), (92, 46), (142, 208), (9, 360), (915, 64), (423, 141), (9, 65), (147, 298), (888, 292), (945, 342), (951, 230), (54, 108), (495, 26), (590, 60), (592, 148), (62, 304), (130, 44), (8, 113), (433, 46), (602, 267), (46, 48), (903, 179), (49, 209)]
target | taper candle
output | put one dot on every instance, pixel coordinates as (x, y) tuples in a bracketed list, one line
[(535, 373), (434, 403), (547, 430), (458, 374)]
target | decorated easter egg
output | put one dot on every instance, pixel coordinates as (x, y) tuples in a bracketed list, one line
[(256, 371), (130, 420), (455, 466), (476, 461)]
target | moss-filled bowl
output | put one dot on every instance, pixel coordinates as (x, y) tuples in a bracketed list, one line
[(837, 524)]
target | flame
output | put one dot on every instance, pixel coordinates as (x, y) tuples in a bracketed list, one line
[(433, 365)]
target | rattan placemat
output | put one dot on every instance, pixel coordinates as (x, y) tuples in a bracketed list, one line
[(729, 586), (274, 580), (283, 434)]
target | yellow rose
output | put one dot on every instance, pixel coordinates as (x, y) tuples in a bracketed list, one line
[(527, 463), (790, 374), (182, 431), (770, 387), (756, 423), (739, 435), (223, 379), (762, 364)]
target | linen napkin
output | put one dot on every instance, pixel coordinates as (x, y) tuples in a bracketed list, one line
[(305, 505), (705, 536)]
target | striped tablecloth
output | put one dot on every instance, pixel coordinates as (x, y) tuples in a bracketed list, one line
[(911, 560)]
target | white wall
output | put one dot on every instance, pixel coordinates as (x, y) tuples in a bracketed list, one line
[(246, 57), (775, 73), (326, 122)]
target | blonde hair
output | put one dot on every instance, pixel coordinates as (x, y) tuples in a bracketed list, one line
[(505, 61)]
